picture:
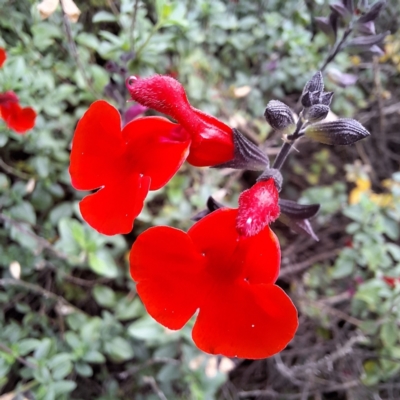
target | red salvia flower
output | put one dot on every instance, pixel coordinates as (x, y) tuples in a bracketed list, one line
[(16, 118), (212, 140), (258, 207), (391, 281), (3, 56), (227, 277), (123, 163)]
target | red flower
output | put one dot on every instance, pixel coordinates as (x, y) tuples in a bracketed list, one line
[(212, 140), (16, 118), (228, 277), (124, 164), (3, 56), (258, 207), (391, 281)]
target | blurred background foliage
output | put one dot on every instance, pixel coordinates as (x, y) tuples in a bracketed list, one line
[(71, 325)]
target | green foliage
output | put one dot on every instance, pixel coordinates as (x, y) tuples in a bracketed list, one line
[(71, 325)]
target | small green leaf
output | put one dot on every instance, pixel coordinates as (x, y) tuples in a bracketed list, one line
[(104, 296), (103, 264), (389, 333)]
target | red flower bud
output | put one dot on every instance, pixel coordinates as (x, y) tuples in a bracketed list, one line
[(258, 207)]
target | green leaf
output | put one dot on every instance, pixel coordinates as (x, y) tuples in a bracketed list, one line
[(103, 16), (62, 387), (104, 296), (119, 349), (88, 39), (43, 349), (83, 369), (25, 346), (94, 357), (23, 212), (103, 264), (127, 309), (61, 210), (389, 333)]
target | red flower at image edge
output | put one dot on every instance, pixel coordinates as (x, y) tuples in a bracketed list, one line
[(17, 118), (212, 140), (3, 56), (124, 164), (227, 277)]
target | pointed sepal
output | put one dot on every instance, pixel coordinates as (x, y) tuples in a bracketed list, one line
[(212, 205), (246, 155)]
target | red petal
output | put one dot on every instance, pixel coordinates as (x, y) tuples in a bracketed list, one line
[(255, 259), (227, 276), (112, 209), (246, 321), (215, 235), (166, 267), (156, 147), (125, 164), (18, 119), (97, 147), (258, 207), (3, 56)]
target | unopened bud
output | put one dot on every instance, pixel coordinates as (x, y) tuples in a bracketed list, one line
[(343, 131), (316, 113), (280, 117)]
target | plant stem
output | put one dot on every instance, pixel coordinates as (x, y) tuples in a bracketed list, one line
[(133, 24), (285, 149), (156, 27), (337, 48)]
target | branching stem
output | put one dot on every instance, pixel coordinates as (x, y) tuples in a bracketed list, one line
[(290, 139)]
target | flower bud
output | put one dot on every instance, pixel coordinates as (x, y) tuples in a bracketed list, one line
[(280, 116), (344, 131)]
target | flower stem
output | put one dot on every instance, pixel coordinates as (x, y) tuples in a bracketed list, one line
[(285, 149), (337, 48)]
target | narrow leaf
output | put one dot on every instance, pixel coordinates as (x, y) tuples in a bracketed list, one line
[(367, 28), (373, 12), (301, 226), (367, 40), (341, 10), (298, 211)]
